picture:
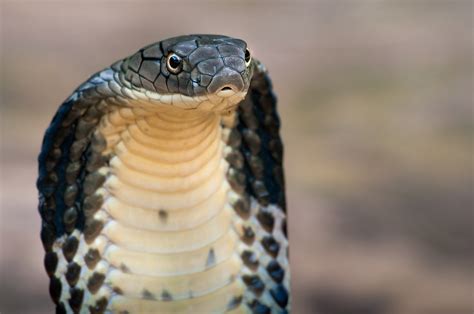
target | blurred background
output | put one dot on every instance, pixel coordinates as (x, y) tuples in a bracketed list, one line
[(376, 103)]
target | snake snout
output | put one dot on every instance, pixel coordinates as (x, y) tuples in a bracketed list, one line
[(226, 83)]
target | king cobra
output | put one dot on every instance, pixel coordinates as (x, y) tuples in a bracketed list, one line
[(161, 186)]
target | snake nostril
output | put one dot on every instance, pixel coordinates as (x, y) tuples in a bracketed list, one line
[(226, 88)]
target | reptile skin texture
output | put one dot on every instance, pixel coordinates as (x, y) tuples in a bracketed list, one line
[(161, 186)]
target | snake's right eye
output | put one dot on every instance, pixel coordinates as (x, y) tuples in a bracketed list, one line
[(173, 63), (248, 57)]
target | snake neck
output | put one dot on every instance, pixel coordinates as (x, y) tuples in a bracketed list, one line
[(164, 162), (168, 240)]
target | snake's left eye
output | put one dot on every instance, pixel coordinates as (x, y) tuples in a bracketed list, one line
[(173, 63), (248, 57)]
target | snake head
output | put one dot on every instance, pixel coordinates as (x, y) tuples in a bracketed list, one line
[(204, 71)]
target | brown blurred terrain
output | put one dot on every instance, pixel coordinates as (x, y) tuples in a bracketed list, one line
[(376, 103)]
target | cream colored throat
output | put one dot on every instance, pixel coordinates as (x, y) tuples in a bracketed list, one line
[(168, 243)]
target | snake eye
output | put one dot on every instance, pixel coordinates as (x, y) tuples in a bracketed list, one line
[(173, 63), (248, 58)]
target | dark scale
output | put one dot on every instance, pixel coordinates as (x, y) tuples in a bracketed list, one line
[(278, 174), (61, 309), (150, 72), (71, 118), (70, 218), (50, 184), (234, 138), (53, 178), (276, 148), (92, 182), (280, 295), (48, 214), (211, 258), (50, 203), (84, 129), (49, 187), (72, 273), (246, 107), (271, 245), (147, 295), (75, 301), (92, 204), (106, 91), (48, 236), (70, 248), (94, 113), (260, 192), (252, 140), (124, 268), (267, 103), (70, 194), (272, 123), (50, 262), (242, 207), (61, 135), (256, 165), (55, 287), (266, 220), (55, 154), (92, 229), (284, 228), (91, 258), (89, 92), (248, 236), (235, 159), (72, 171), (98, 142), (77, 149), (99, 307), (163, 215), (275, 271), (95, 282), (117, 290), (259, 308), (166, 296), (236, 180), (50, 163), (250, 120), (250, 259), (96, 161), (254, 283), (52, 159), (234, 303)]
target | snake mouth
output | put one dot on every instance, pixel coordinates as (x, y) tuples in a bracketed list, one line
[(226, 99), (226, 91)]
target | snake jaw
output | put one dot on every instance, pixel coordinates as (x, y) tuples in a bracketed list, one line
[(224, 100)]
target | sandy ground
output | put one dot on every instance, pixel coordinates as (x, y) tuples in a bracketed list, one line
[(376, 104)]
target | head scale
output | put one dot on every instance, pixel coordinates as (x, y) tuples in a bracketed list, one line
[(193, 65)]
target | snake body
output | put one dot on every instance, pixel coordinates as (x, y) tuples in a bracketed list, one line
[(161, 186)]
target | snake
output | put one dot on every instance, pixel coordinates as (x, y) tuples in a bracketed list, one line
[(161, 186)]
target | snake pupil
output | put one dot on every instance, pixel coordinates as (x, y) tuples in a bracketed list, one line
[(247, 56), (174, 62)]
